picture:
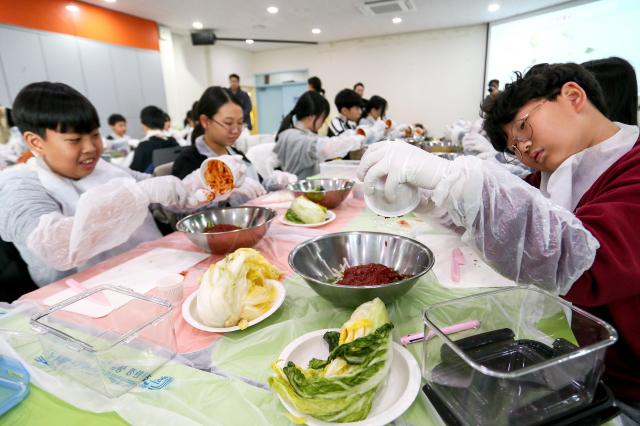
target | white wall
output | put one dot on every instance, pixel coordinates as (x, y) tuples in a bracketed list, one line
[(433, 77), (189, 70), (114, 78)]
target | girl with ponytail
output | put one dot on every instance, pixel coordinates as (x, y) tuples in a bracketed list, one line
[(299, 148)]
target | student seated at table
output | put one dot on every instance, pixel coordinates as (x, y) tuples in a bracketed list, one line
[(349, 105), (572, 228), (299, 148), (374, 110), (118, 140), (67, 209), (219, 121), (153, 123)]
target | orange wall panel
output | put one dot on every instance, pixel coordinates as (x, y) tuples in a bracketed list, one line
[(90, 21)]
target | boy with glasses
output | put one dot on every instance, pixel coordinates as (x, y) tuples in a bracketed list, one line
[(573, 229)]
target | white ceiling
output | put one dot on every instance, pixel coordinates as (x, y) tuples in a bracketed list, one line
[(338, 19)]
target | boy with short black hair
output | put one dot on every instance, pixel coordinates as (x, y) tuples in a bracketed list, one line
[(153, 123), (67, 209), (349, 105), (576, 232), (117, 142)]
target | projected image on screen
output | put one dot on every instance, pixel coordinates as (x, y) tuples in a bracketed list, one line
[(580, 33)]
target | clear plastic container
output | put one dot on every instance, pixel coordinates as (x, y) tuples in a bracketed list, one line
[(345, 169), (114, 353), (533, 358)]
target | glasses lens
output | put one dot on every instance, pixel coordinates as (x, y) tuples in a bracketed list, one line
[(522, 131)]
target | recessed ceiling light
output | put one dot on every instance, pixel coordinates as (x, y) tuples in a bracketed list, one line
[(198, 25), (493, 7), (249, 41), (110, 1), (72, 8), (272, 10), (396, 20), (316, 31)]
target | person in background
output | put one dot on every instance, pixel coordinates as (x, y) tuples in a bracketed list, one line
[(153, 123), (67, 209), (374, 110), (242, 97), (299, 148), (494, 90), (189, 124), (619, 85), (349, 105), (117, 141), (314, 84), (219, 122), (14, 149), (571, 227), (359, 89)]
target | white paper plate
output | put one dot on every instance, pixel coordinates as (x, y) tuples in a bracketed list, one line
[(394, 398), (190, 312), (331, 216)]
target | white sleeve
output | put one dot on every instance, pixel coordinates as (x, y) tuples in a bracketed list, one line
[(519, 232), (338, 146), (106, 216)]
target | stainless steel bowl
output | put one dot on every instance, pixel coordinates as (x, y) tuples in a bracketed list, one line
[(327, 192), (318, 259), (254, 221)]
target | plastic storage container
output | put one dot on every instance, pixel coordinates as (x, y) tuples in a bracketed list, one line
[(114, 353), (345, 169), (534, 357)]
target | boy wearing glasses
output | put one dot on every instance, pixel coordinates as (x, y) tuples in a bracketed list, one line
[(572, 229)]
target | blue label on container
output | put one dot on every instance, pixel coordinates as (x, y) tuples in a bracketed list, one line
[(156, 384)]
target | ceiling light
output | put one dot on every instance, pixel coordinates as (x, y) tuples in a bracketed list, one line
[(249, 41), (110, 1), (396, 20), (272, 10), (316, 31), (72, 8), (198, 25), (493, 7)]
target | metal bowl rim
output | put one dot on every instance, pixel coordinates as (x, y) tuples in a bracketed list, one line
[(428, 267), (271, 212), (349, 184)]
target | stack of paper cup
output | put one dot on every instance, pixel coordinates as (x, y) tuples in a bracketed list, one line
[(170, 287)]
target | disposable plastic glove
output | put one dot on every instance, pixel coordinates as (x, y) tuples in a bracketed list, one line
[(339, 146), (165, 190), (475, 144), (282, 179), (250, 189), (400, 163)]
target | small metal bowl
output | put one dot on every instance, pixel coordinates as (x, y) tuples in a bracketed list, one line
[(254, 221), (327, 192), (318, 259)]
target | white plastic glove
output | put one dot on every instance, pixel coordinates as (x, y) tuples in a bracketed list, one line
[(400, 163), (475, 143), (398, 131), (250, 189), (282, 179), (165, 190), (339, 146)]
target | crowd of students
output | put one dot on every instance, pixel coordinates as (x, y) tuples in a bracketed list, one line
[(568, 227)]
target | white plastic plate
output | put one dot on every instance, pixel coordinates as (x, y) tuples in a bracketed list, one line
[(190, 311), (331, 216), (393, 399)]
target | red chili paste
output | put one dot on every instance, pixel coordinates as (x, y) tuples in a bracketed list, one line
[(221, 227), (370, 274)]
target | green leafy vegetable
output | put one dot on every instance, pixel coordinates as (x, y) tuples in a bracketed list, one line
[(305, 211), (342, 387)]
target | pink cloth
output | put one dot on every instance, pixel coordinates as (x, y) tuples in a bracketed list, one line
[(275, 246)]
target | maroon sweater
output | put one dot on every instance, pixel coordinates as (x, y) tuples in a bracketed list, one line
[(611, 288)]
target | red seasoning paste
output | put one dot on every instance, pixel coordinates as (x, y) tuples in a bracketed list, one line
[(370, 274), (221, 227)]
